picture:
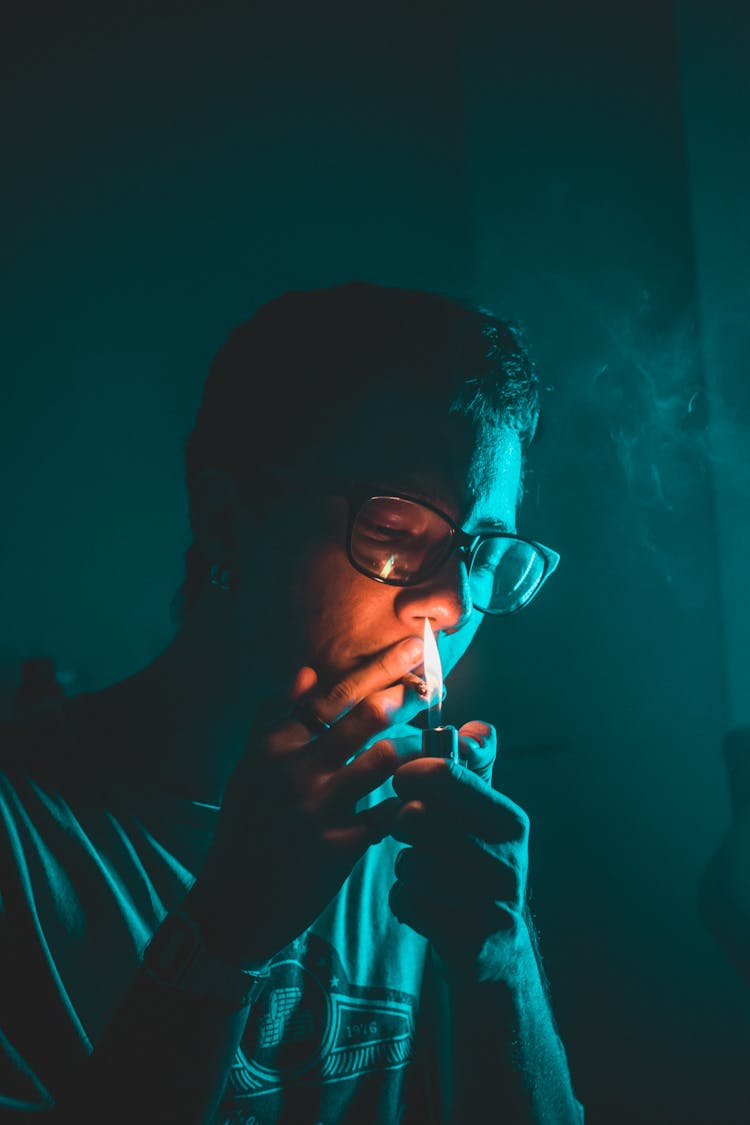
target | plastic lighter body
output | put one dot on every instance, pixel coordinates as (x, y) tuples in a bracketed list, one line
[(440, 742)]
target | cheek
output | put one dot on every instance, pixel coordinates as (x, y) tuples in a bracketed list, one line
[(455, 645), (326, 598), (323, 582)]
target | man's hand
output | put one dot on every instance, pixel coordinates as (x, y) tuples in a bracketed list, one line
[(288, 832), (462, 882)]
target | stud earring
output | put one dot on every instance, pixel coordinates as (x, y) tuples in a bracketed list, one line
[(219, 576)]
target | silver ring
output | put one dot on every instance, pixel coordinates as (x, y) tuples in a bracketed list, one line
[(309, 717)]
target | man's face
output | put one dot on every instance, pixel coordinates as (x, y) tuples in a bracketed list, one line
[(316, 607)]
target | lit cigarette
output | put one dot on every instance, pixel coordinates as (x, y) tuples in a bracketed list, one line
[(416, 682), (438, 741)]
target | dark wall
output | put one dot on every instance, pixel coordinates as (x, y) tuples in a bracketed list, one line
[(611, 691), (714, 47), (171, 167)]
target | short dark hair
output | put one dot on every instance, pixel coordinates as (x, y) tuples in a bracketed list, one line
[(307, 354)]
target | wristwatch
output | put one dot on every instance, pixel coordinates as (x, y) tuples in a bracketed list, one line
[(176, 957)]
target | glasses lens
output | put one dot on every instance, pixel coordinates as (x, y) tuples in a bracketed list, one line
[(398, 540), (505, 574)]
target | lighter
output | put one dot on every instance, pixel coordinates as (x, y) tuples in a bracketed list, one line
[(438, 741)]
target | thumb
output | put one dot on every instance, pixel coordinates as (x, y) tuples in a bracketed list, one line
[(477, 745)]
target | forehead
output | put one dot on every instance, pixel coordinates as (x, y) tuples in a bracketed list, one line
[(412, 443)]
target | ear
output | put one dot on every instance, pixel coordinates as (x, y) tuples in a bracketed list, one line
[(216, 507)]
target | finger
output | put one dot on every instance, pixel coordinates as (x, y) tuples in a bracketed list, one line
[(270, 709), (463, 872), (304, 681), (423, 827), (446, 790), (380, 672), (370, 769), (364, 828), (407, 739), (458, 864), (478, 747), (358, 729), (305, 712), (377, 820), (313, 712), (453, 932)]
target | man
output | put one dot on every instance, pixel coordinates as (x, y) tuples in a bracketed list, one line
[(235, 888)]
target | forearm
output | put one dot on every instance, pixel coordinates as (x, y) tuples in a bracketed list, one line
[(165, 1057), (508, 1064), (170, 1046)]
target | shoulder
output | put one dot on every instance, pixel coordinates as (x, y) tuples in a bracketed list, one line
[(42, 745)]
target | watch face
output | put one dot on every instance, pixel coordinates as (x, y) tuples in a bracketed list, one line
[(172, 948)]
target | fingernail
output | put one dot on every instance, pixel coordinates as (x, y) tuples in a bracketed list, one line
[(412, 650)]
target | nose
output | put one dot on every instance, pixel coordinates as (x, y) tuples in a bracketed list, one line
[(445, 598)]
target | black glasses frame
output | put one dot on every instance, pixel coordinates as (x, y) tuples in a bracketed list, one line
[(467, 545), (460, 541)]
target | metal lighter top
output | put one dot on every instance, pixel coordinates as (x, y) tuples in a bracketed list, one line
[(440, 742)]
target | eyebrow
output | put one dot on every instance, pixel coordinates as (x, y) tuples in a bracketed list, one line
[(487, 526), (490, 524), (496, 525)]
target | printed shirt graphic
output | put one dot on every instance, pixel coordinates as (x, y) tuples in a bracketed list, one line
[(89, 871), (315, 1042)]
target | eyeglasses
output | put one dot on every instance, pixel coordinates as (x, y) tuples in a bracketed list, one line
[(401, 541)]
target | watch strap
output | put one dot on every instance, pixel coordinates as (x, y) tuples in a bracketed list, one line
[(175, 957)]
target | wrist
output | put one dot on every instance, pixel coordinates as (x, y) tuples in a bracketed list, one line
[(176, 957), (219, 932), (506, 958)]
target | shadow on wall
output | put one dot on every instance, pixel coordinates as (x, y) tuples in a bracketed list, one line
[(724, 892)]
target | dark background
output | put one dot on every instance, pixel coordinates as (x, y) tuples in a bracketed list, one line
[(581, 168)]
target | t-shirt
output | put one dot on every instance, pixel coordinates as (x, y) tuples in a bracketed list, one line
[(89, 865)]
